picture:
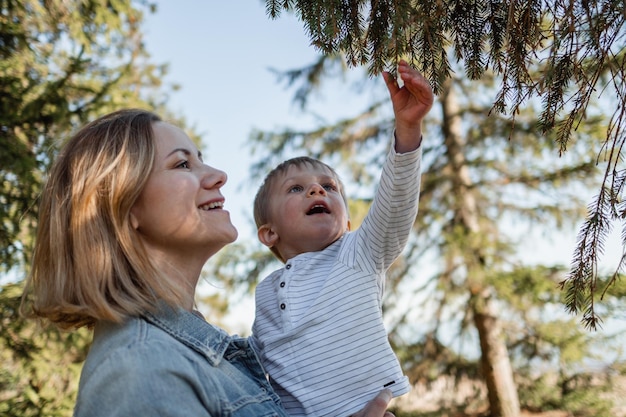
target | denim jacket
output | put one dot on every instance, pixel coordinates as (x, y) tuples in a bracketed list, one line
[(172, 363)]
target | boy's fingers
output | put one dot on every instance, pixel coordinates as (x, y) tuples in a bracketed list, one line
[(392, 84), (418, 85)]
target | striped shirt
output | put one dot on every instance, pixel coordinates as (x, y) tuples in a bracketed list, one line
[(318, 328)]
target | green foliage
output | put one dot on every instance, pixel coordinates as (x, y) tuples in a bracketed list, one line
[(581, 395), (583, 282), (550, 349), (550, 352), (241, 266), (61, 64), (40, 366), (580, 46)]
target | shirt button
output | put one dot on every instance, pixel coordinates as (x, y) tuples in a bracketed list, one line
[(282, 306), (288, 266), (282, 284)]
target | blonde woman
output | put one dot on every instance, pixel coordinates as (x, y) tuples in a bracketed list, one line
[(128, 217)]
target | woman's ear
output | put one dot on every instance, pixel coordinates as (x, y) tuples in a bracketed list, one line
[(134, 222), (349, 227), (267, 235)]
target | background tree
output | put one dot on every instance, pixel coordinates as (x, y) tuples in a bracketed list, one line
[(40, 369), (580, 44), (476, 187), (65, 63), (61, 64)]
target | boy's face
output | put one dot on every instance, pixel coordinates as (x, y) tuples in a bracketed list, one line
[(307, 212)]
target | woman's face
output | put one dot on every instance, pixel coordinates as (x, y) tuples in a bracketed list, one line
[(180, 211)]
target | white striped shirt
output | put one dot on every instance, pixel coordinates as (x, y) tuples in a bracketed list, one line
[(318, 328)]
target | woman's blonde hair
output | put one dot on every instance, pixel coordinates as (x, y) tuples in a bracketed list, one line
[(88, 261)]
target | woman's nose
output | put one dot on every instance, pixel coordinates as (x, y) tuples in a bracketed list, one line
[(214, 178)]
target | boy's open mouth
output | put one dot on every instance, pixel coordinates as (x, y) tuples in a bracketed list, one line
[(318, 209)]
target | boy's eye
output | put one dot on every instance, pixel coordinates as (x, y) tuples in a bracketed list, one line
[(330, 187), (295, 189)]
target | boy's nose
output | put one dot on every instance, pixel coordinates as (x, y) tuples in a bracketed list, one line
[(316, 189)]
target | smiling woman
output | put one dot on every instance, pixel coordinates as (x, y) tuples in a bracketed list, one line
[(189, 222), (128, 217)]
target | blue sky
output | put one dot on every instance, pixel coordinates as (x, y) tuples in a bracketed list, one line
[(220, 53)]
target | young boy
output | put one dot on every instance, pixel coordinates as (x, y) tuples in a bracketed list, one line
[(318, 328)]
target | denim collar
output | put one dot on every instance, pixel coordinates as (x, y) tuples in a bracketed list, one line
[(191, 330)]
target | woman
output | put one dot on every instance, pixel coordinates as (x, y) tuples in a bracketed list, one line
[(128, 217)]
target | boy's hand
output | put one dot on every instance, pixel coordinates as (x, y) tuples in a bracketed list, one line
[(411, 103)]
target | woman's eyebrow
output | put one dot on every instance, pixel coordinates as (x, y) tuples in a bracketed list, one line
[(185, 151)]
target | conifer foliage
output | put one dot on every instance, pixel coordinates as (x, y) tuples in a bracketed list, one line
[(62, 63), (580, 44)]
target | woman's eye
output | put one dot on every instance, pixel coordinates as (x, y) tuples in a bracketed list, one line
[(295, 189), (183, 164)]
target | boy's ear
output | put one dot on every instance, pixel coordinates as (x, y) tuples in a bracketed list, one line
[(267, 235)]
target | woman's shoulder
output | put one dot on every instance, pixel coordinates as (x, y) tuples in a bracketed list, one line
[(133, 343), (139, 369)]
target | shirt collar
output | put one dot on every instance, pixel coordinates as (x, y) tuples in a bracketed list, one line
[(304, 256), (191, 330)]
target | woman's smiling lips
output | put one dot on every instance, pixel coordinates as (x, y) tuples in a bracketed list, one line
[(212, 205)]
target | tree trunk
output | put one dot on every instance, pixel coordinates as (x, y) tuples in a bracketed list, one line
[(495, 363)]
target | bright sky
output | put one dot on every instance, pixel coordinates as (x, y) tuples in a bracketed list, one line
[(220, 53)]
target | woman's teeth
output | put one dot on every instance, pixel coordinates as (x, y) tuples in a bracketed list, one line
[(211, 206)]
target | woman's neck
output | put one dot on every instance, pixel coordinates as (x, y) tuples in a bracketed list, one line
[(184, 272)]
